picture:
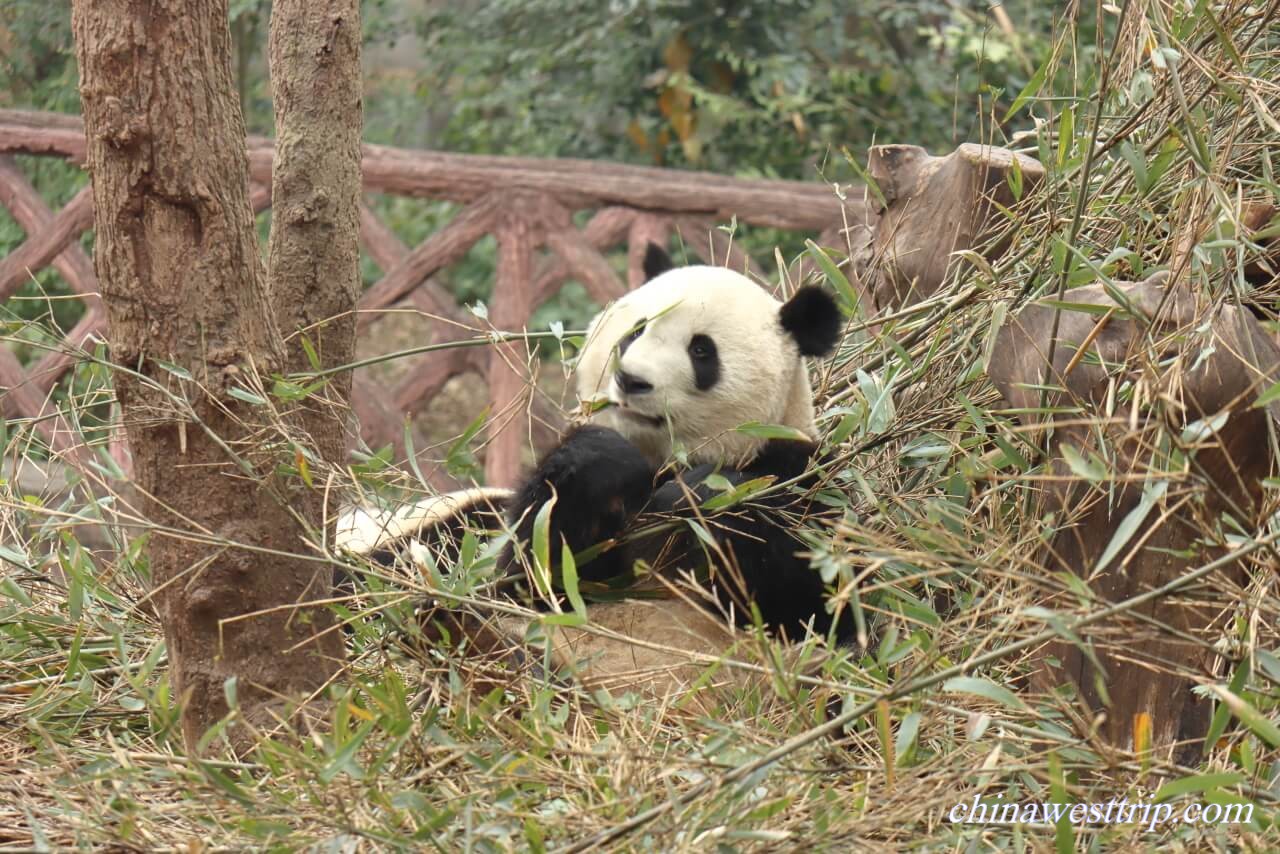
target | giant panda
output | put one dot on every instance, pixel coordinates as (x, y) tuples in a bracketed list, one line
[(666, 376)]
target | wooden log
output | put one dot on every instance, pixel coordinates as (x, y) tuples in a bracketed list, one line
[(382, 244), (605, 229), (38, 250), (512, 304), (31, 132), (439, 250), (22, 399), (937, 206), (1148, 671), (259, 197), (586, 265), (468, 177), (1262, 268), (433, 370), (33, 216), (46, 372)]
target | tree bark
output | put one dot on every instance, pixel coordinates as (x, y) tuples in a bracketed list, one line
[(314, 56), (1150, 660), (191, 319), (936, 206)]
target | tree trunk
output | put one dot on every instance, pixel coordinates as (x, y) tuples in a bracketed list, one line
[(1149, 660), (935, 207), (315, 215), (191, 320)]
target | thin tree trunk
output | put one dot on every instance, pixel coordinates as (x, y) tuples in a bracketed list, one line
[(192, 319), (315, 213)]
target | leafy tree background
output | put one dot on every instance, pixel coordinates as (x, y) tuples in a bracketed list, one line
[(779, 88)]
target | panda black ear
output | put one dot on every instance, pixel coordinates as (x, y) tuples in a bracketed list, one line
[(812, 318), (656, 261)]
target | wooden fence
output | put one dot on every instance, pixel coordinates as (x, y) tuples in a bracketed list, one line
[(527, 204)]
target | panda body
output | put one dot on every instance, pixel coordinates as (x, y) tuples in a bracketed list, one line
[(674, 368)]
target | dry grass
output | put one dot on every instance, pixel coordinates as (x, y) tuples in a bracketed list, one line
[(941, 532)]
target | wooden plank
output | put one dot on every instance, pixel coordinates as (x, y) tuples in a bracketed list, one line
[(605, 229), (46, 372), (439, 250), (512, 304), (33, 216), (585, 264), (39, 249), (802, 205)]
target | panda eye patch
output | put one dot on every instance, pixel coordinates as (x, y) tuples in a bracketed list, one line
[(702, 347), (705, 361), (631, 336)]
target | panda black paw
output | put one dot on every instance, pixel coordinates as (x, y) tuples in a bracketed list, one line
[(599, 480)]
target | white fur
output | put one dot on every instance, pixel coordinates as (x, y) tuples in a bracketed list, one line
[(762, 375), (361, 532)]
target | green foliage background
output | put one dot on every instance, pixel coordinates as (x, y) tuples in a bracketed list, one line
[(778, 88)]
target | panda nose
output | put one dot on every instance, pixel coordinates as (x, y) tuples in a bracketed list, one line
[(632, 384)]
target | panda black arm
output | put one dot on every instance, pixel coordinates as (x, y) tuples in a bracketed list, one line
[(600, 480), (759, 538)]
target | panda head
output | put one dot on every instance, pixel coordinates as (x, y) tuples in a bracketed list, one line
[(696, 352)]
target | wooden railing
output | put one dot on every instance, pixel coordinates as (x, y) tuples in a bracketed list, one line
[(526, 203)]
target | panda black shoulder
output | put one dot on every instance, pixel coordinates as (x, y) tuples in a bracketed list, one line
[(784, 458)]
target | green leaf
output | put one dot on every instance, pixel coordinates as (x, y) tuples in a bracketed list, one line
[(866, 179), (1014, 178), (1270, 663), (14, 592), (1139, 166), (247, 396), (177, 370), (983, 688), (223, 782), (998, 312), (1032, 87), (756, 430), (569, 578), (1272, 393), (1196, 783), (542, 547), (568, 620), (737, 494), (1012, 454), (344, 758), (313, 358), (1262, 726), (1066, 134), (412, 455), (1128, 526), (881, 410), (848, 296), (1091, 469), (907, 731)]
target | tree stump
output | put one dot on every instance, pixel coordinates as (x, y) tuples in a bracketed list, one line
[(194, 320), (1183, 365), (934, 207)]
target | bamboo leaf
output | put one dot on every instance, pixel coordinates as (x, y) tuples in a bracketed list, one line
[(1262, 726), (1196, 783), (1128, 526), (984, 688), (848, 296)]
